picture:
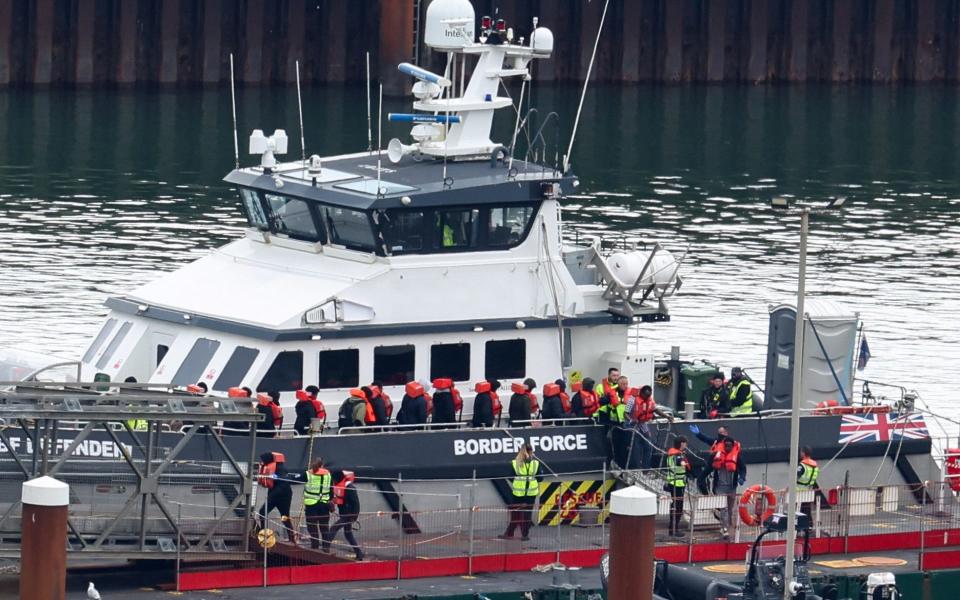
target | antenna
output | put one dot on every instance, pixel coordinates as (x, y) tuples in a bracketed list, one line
[(379, 136), (233, 103), (303, 152), (516, 125), (586, 82), (369, 127)]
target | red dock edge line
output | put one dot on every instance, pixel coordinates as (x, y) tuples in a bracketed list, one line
[(500, 563)]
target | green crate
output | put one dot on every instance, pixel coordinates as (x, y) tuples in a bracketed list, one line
[(695, 379)]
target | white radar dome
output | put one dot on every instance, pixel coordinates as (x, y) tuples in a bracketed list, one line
[(542, 41), (450, 24), (627, 267)]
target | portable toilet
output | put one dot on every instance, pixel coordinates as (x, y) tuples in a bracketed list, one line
[(829, 344)]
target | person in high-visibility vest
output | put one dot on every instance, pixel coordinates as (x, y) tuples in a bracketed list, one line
[(317, 500), (741, 393), (807, 474), (677, 468), (525, 488), (613, 407)]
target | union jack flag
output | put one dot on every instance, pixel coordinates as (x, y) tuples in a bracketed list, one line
[(882, 428)]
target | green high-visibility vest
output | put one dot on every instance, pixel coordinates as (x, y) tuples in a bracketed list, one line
[(317, 488), (676, 470), (525, 481), (617, 413), (808, 478), (137, 424), (747, 406)]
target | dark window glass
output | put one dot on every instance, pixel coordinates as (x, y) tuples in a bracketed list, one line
[(237, 366), (393, 365), (403, 230), (457, 229), (114, 344), (349, 228), (292, 217), (98, 341), (161, 352), (254, 209), (508, 224), (285, 374), (450, 360), (339, 368), (506, 359), (567, 347), (196, 361)]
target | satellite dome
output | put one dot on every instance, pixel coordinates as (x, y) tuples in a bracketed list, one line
[(449, 24)]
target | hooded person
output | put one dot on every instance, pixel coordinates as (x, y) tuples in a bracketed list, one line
[(272, 476), (585, 401), (444, 405), (307, 408), (552, 404), (413, 407), (265, 426), (482, 405), (353, 411), (377, 405), (523, 404), (347, 501), (377, 387)]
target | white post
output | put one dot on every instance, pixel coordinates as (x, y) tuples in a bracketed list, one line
[(795, 411), (43, 545)]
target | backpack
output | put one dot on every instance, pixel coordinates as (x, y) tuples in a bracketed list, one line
[(359, 412), (345, 414), (352, 412)]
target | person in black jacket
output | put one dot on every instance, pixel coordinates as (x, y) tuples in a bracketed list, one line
[(348, 506), (306, 411), (273, 477), (413, 406), (552, 404), (584, 397), (379, 407), (521, 405), (483, 406), (444, 408), (265, 427)]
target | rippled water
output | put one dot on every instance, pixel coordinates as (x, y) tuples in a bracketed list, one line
[(100, 190)]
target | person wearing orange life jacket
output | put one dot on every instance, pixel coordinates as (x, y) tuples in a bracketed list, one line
[(678, 467), (640, 409), (612, 409), (377, 387), (376, 408), (553, 407), (353, 410), (585, 401), (413, 407), (237, 427), (729, 471), (610, 383), (265, 426), (482, 405), (523, 404), (564, 397), (495, 398), (444, 403), (308, 408), (317, 500), (347, 501), (272, 476)]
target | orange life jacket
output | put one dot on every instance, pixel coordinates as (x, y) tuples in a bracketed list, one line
[(264, 400), (429, 400), (606, 387), (340, 487), (371, 417), (726, 460), (195, 389), (519, 388), (277, 415), (485, 387), (497, 405), (387, 404), (237, 392), (318, 406), (643, 409), (457, 400), (414, 389), (552, 389), (590, 401), (263, 478), (565, 401)]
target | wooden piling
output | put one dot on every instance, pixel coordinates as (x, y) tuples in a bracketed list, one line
[(882, 40), (716, 40), (252, 42), (43, 42), (43, 545), (212, 28), (842, 20), (798, 42), (396, 45), (673, 39), (6, 17), (757, 65)]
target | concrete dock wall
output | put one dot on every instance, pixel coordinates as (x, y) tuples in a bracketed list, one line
[(187, 42)]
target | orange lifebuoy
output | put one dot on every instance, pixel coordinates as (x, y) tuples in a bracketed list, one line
[(826, 407), (746, 501)]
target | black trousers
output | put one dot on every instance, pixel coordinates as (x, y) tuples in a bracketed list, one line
[(318, 522), (278, 499), (676, 506), (345, 522), (521, 515)]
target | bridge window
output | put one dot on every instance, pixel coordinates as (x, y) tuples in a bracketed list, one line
[(339, 369), (254, 209), (508, 225), (457, 229), (98, 341), (292, 217), (393, 365), (192, 367), (506, 359), (285, 374), (114, 344), (237, 366), (349, 228), (403, 230), (450, 360)]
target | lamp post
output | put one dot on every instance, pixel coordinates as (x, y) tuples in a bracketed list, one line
[(799, 326)]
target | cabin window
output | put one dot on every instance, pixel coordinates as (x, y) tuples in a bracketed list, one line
[(196, 361), (114, 344), (403, 230), (339, 369), (349, 228), (292, 217), (254, 209), (161, 352), (237, 366), (457, 229), (506, 359), (450, 360), (508, 224), (393, 365), (285, 374), (98, 341), (567, 347)]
